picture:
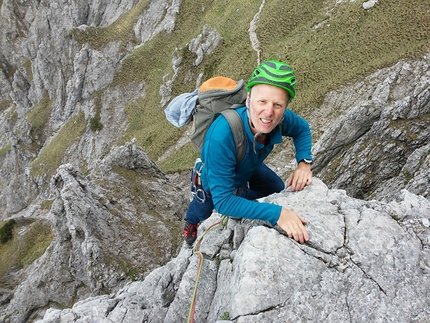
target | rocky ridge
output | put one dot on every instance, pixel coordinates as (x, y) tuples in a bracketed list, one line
[(44, 67), (366, 261), (382, 141), (101, 226)]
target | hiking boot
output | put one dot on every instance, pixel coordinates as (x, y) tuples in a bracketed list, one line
[(190, 233)]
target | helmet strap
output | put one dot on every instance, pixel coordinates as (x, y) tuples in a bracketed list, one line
[(248, 102)]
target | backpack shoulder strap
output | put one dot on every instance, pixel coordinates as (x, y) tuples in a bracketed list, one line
[(238, 130)]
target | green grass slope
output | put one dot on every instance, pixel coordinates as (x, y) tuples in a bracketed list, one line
[(327, 44), (327, 47)]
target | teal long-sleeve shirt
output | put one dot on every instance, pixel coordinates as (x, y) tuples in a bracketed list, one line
[(221, 174)]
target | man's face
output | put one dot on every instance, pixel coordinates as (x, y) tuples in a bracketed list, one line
[(266, 104)]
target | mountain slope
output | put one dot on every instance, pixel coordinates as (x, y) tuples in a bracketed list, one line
[(366, 262), (83, 85)]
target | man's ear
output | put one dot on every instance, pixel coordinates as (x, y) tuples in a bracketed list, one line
[(248, 98)]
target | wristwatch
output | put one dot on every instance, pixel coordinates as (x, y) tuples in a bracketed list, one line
[(307, 161)]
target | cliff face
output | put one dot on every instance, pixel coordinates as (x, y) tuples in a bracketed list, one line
[(382, 142), (114, 225), (113, 215), (68, 158), (49, 80), (365, 262)]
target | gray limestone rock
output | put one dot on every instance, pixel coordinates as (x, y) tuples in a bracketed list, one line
[(106, 234), (365, 262), (382, 143)]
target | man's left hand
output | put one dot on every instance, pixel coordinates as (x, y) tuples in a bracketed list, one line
[(300, 177)]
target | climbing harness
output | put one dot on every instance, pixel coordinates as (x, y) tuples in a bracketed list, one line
[(222, 223), (196, 184)]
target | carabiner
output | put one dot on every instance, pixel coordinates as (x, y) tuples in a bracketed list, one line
[(203, 194)]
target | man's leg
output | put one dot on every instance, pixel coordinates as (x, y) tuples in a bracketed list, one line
[(262, 183), (199, 210)]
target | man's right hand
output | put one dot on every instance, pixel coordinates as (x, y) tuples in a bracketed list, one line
[(293, 225)]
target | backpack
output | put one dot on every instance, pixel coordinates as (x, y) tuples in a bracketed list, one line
[(217, 95)]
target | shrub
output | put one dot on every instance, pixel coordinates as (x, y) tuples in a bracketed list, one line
[(6, 231), (95, 124)]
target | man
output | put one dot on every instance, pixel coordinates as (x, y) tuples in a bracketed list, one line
[(232, 188)]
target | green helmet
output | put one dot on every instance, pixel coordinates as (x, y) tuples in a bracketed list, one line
[(274, 73)]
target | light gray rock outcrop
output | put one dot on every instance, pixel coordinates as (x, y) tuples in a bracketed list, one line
[(366, 261), (382, 142), (114, 225), (204, 44), (159, 16)]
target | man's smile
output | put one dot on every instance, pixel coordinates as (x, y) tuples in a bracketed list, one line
[(265, 121)]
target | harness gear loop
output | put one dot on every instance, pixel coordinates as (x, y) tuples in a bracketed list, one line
[(196, 184)]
